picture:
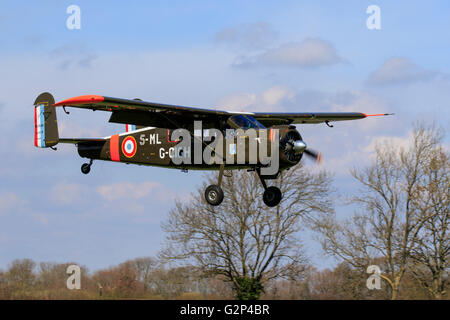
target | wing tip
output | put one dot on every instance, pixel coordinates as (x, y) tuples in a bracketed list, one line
[(80, 100), (378, 114)]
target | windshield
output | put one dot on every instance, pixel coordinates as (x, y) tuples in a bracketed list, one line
[(246, 122)]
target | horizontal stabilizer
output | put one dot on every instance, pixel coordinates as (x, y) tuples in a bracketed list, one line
[(81, 140)]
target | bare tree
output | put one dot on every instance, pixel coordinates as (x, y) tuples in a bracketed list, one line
[(242, 239), (3, 293), (391, 223), (119, 281), (432, 249), (143, 269), (20, 278)]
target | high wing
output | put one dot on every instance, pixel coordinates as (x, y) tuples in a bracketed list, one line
[(96, 102), (143, 113), (275, 118)]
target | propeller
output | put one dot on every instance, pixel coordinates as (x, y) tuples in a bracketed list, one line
[(317, 156), (294, 147)]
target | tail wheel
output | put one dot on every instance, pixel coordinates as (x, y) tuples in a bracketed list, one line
[(86, 168), (272, 196), (214, 195)]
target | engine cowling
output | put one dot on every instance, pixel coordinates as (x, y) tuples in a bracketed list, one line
[(292, 146)]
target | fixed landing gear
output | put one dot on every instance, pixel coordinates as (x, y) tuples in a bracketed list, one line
[(272, 195), (86, 167), (214, 193)]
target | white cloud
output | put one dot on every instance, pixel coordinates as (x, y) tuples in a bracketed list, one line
[(310, 53), (271, 99), (364, 153), (276, 94), (399, 70), (237, 102), (394, 141)]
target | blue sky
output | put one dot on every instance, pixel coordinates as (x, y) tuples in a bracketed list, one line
[(241, 55)]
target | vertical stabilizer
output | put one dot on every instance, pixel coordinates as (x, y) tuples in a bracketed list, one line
[(45, 122)]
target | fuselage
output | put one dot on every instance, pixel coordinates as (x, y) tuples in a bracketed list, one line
[(154, 147)]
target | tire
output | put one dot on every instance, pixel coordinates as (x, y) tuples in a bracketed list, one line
[(272, 196), (85, 168), (214, 195)]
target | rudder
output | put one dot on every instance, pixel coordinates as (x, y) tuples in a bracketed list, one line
[(45, 122)]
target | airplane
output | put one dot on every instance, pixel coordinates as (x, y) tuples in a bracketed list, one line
[(150, 127)]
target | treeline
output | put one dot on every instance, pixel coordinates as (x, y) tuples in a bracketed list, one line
[(141, 278), (147, 278)]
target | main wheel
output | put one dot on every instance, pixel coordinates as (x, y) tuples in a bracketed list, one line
[(214, 195), (272, 196), (86, 168)]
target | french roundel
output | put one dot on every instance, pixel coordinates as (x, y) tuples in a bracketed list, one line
[(129, 146)]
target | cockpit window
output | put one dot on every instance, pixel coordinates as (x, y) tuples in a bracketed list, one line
[(245, 122)]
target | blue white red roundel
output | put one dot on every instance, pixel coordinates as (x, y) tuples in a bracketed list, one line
[(129, 146)]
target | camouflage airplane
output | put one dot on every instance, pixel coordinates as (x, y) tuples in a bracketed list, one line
[(149, 128)]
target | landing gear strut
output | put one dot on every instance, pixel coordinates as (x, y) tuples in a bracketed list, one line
[(214, 193), (86, 167), (272, 195)]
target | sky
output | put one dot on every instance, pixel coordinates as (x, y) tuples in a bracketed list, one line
[(235, 55)]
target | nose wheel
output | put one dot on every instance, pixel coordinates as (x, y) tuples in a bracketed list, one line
[(86, 167)]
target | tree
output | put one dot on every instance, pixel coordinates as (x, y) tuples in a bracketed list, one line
[(3, 293), (431, 251), (143, 269), (390, 226), (119, 281), (242, 239), (20, 278)]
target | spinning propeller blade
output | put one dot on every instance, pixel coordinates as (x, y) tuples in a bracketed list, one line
[(317, 156)]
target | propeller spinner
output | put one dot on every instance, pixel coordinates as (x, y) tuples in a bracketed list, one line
[(294, 147)]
